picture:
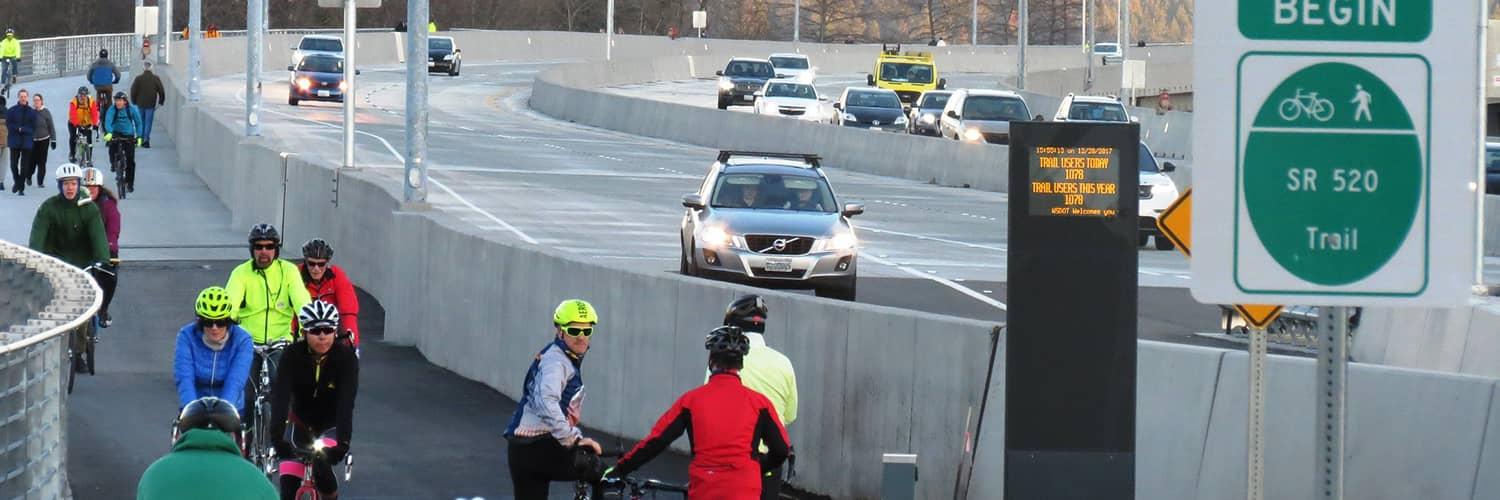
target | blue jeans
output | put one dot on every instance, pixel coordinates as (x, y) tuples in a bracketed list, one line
[(9, 67), (147, 114)]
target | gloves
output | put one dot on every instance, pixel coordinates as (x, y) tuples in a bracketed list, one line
[(610, 473), (284, 449), (138, 142), (54, 144), (336, 454), (108, 136)]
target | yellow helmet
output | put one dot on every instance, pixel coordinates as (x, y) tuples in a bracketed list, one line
[(574, 311), (212, 303)]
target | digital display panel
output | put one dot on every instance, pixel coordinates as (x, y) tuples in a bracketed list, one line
[(1074, 181)]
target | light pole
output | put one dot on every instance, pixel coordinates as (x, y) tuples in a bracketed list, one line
[(609, 31), (349, 94), (415, 185), (1021, 37), (195, 49), (253, 42)]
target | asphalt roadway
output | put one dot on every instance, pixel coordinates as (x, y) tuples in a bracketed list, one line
[(420, 432)]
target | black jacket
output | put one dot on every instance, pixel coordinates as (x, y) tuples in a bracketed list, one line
[(320, 399)]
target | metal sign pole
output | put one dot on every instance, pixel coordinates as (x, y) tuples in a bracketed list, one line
[(1333, 369), (609, 30), (797, 21), (349, 93), (1021, 39), (195, 49), (1257, 432), (253, 48), (417, 14), (163, 30)]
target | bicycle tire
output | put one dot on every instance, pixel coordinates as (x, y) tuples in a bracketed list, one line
[(1322, 104), (72, 373), (120, 179), (262, 441), (90, 338), (307, 493), (1289, 109)]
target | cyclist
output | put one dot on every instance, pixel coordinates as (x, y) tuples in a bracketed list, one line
[(723, 419), (213, 354), (83, 116), (204, 462), (10, 57), (109, 208), (103, 75), (123, 121), (328, 283), (543, 434), (766, 371), (264, 293), (313, 398)]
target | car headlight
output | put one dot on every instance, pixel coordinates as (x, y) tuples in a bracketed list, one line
[(343, 86), (973, 135), (901, 120), (842, 241), (714, 237), (849, 118), (726, 85), (927, 119), (448, 57), (304, 83)]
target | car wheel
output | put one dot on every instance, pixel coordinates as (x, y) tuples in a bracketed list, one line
[(1162, 243), (689, 266), (291, 100), (1144, 239), (843, 290), (723, 104), (454, 70)]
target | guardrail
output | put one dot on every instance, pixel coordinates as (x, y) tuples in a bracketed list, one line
[(45, 299), (43, 58)]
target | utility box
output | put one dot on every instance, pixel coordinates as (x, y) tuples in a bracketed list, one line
[(898, 476)]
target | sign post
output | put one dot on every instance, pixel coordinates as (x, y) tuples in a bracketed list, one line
[(350, 47), (1323, 116)]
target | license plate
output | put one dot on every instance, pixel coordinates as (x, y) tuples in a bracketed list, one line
[(323, 93), (747, 98), (779, 265)]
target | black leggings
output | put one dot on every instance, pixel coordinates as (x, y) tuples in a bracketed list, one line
[(19, 159), (291, 470), (124, 145), (536, 464), (107, 283), (39, 159)]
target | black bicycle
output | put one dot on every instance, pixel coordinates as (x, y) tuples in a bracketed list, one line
[(9, 67), (259, 447), (84, 152), (623, 488), (83, 339), (117, 162)]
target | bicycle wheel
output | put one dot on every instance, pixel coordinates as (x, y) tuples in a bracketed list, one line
[(120, 177), (263, 441), (72, 373), (1322, 110), (1289, 109), (89, 339)]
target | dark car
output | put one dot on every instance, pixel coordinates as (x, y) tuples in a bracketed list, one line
[(741, 78), (443, 55), (924, 116), (317, 77), (1492, 166), (871, 108)]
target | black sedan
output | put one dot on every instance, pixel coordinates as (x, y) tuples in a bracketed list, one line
[(874, 109), (444, 56), (317, 77)]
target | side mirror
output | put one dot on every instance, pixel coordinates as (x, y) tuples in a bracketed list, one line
[(760, 93), (356, 72), (779, 75), (870, 80), (813, 69), (823, 98), (719, 73), (290, 68), (458, 51), (838, 106), (942, 83), (693, 201), (953, 114), (1168, 167), (1039, 118), (853, 209)]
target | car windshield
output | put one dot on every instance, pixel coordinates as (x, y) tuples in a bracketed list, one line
[(1148, 162), (800, 193), (995, 108), (750, 69), (873, 100), (1097, 111), (934, 101), (1107, 48), (322, 44), (780, 89), (439, 44), (906, 72), (789, 62), (1492, 159), (321, 65)]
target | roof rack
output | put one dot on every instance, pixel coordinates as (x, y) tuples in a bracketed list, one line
[(891, 49), (811, 159)]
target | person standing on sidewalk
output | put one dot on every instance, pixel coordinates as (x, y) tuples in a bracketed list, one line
[(42, 139), (19, 123), (147, 92)]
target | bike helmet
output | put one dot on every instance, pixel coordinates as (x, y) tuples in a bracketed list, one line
[(317, 249), (83, 91), (728, 340), (209, 413), (318, 314), (574, 311), (10, 31), (212, 303), (93, 177), (121, 96), (68, 171), (104, 53), (265, 232), (748, 312)]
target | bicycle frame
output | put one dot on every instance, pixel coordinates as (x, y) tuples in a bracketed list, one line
[(85, 149), (260, 450), (308, 490)]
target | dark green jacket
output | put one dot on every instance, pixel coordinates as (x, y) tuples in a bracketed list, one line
[(204, 465), (70, 232)]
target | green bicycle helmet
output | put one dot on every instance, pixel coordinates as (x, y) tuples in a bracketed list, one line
[(212, 303), (574, 311)]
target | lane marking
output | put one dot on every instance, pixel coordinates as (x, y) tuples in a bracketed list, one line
[(941, 281)]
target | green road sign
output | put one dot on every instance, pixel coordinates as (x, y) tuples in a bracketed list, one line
[(1336, 20), (1332, 173)]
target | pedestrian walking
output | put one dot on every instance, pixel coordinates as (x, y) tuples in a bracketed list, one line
[(20, 121), (147, 92), (42, 140), (4, 139)]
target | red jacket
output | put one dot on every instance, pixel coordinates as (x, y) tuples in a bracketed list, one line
[(335, 288), (724, 420)]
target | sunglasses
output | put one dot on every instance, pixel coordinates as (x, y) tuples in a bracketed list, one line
[(322, 331), (311, 263), (264, 247), (216, 323), (579, 332)]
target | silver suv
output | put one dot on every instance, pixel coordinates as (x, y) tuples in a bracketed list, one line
[(771, 220)]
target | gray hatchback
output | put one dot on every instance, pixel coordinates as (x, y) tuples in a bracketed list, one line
[(770, 220)]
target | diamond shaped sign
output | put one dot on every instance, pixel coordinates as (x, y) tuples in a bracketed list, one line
[(1176, 224)]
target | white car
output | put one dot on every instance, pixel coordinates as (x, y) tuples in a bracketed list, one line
[(1109, 52), (1086, 108), (1157, 192), (317, 44), (794, 66), (792, 99)]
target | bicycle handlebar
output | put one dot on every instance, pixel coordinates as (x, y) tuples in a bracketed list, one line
[(271, 347)]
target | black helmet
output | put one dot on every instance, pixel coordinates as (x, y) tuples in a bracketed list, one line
[(209, 413), (748, 312), (727, 340), (83, 91), (104, 53), (265, 232), (317, 249), (121, 95)]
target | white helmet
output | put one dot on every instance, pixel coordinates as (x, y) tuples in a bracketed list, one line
[(68, 171), (318, 314), (93, 177)]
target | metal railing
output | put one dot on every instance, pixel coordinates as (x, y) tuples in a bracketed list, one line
[(43, 58), (1296, 328), (34, 369)]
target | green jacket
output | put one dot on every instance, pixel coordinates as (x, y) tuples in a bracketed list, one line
[(10, 47), (264, 301), (205, 464), (70, 232)]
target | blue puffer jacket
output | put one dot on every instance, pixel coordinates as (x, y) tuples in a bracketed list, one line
[(122, 121), (200, 371)]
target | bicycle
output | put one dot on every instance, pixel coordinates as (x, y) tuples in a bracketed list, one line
[(9, 67), (82, 340), (117, 163), (308, 490), (1294, 107), (259, 448), (83, 137), (624, 488)]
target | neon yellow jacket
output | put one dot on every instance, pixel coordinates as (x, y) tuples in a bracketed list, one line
[(769, 372), (264, 301), (10, 47)]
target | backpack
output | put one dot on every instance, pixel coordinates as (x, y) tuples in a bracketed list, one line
[(102, 75)]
